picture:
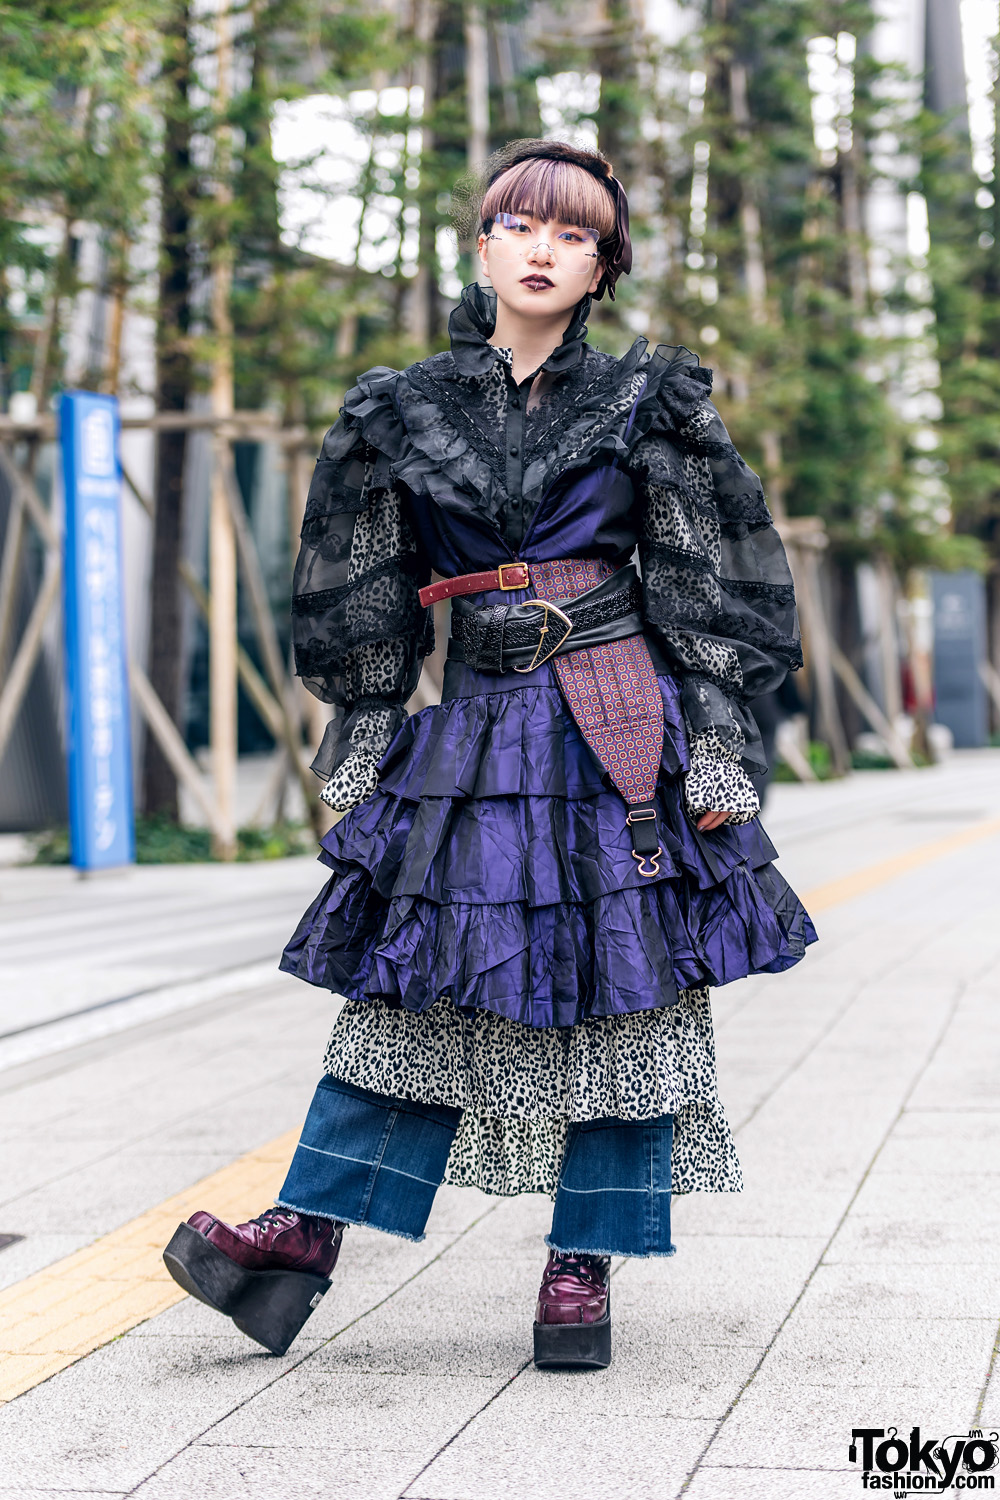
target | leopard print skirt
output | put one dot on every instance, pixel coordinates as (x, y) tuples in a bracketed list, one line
[(519, 1087)]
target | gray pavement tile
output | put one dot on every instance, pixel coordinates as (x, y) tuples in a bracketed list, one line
[(989, 1416), (725, 1291), (928, 1353), (317, 1473), (25, 1492), (455, 1208), (737, 1274), (372, 1264), (653, 1374), (412, 1414), (632, 1458), (105, 1194), (447, 1335), (772, 1206), (773, 1484), (111, 1419), (942, 1143), (785, 1424), (879, 1239), (956, 1082), (34, 1165), (34, 1253), (903, 1291), (968, 1200)]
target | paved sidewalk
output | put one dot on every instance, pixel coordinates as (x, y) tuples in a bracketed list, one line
[(855, 1283)]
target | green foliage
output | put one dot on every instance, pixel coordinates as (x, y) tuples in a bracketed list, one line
[(819, 758), (76, 135), (965, 270), (159, 841), (808, 365), (808, 369)]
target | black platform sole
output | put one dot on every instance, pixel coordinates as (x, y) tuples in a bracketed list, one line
[(268, 1306), (573, 1346)]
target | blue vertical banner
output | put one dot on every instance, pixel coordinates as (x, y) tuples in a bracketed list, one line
[(102, 823)]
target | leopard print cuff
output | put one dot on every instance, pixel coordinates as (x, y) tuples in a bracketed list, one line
[(353, 780), (717, 782)]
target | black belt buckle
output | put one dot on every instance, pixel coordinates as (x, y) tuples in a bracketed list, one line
[(646, 846), (548, 607)]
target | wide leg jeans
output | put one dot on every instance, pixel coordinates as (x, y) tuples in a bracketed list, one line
[(366, 1158)]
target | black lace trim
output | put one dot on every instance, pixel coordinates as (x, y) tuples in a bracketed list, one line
[(706, 448), (679, 557), (329, 484), (324, 599), (781, 595), (760, 633), (549, 415), (318, 658), (775, 593), (455, 413), (724, 629), (735, 531)]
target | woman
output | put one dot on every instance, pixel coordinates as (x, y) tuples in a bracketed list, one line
[(538, 879)]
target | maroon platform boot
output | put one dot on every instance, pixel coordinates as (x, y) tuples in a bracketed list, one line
[(573, 1316), (268, 1275)]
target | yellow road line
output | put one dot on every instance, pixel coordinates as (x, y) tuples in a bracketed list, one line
[(71, 1308), (835, 892), (53, 1318)]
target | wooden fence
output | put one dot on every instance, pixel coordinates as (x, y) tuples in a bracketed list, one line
[(285, 708)]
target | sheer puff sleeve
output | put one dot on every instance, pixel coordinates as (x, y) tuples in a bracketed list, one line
[(718, 595), (359, 632)]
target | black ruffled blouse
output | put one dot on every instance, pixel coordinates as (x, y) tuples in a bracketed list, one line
[(442, 466)]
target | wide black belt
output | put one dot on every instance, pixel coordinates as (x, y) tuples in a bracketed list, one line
[(520, 637)]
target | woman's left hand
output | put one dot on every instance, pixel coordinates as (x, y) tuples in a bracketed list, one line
[(711, 820)]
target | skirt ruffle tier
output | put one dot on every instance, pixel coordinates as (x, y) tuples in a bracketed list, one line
[(520, 1087), (492, 867)]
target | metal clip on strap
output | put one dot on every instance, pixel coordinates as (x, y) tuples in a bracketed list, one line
[(646, 846)]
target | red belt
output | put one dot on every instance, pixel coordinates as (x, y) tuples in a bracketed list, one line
[(509, 575)]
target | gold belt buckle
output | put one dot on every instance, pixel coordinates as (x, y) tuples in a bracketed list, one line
[(538, 660), (522, 569)]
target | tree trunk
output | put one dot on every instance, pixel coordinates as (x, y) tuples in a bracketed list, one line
[(618, 112), (477, 85), (222, 559), (173, 385), (423, 287)]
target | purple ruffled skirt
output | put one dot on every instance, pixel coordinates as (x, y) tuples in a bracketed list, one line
[(493, 866)]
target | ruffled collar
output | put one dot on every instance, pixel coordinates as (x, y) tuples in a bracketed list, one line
[(474, 319)]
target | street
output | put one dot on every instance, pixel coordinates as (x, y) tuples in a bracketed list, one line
[(153, 1061)]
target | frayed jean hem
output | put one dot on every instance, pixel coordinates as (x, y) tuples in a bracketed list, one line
[(618, 1254), (399, 1234)]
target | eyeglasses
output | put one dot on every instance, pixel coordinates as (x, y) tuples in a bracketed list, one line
[(574, 250)]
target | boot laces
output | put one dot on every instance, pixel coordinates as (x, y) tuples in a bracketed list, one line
[(274, 1216), (285, 1217), (586, 1269)]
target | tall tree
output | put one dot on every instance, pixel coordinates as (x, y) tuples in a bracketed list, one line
[(174, 383)]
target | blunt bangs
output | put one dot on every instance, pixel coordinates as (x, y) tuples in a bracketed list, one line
[(552, 192)]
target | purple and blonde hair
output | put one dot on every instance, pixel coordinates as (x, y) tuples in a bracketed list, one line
[(553, 181)]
